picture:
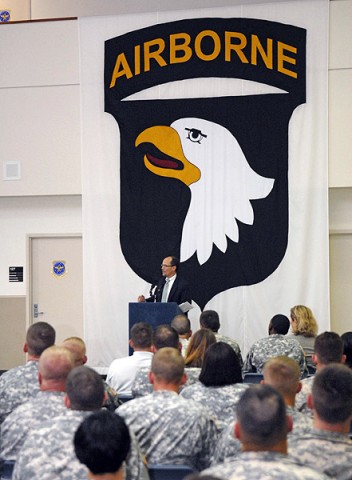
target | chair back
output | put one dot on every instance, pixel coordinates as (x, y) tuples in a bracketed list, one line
[(169, 472), (7, 469), (252, 377), (124, 397)]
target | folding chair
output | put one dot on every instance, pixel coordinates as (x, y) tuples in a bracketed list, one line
[(7, 469), (168, 472), (252, 377)]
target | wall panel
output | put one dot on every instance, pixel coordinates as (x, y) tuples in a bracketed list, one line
[(41, 126), (340, 34), (340, 121), (40, 53), (13, 331)]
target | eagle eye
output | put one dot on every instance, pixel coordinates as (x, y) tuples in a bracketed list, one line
[(195, 135)]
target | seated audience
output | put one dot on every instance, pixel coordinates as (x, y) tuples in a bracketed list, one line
[(55, 364), (182, 325), (210, 319), (220, 383), (198, 344), (19, 384), (347, 347), (77, 347), (262, 426), (102, 443), (48, 451), (163, 336), (304, 328), (283, 374), (122, 371), (276, 344), (169, 428), (327, 447), (328, 348)]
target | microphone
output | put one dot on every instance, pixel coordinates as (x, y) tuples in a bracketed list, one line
[(151, 289)]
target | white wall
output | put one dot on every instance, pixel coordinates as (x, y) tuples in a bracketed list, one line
[(40, 108), (20, 216), (340, 164), (340, 94)]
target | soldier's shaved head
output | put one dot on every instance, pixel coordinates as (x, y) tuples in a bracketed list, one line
[(55, 363), (168, 365)]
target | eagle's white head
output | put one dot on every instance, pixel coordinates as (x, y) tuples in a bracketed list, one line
[(207, 158)]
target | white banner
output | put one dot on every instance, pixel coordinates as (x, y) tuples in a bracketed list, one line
[(300, 277)]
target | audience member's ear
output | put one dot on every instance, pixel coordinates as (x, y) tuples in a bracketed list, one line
[(262, 382), (67, 401), (343, 359), (131, 343), (180, 347), (40, 378), (310, 401), (299, 387), (151, 377), (237, 431), (25, 348), (289, 423), (106, 398), (314, 359), (84, 359), (184, 379), (153, 349)]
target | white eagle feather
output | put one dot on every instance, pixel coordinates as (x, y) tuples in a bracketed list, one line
[(222, 194)]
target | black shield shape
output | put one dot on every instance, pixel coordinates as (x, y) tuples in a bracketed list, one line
[(154, 208)]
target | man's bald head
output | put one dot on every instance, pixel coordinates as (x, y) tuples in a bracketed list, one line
[(55, 364), (168, 365), (282, 373), (77, 347)]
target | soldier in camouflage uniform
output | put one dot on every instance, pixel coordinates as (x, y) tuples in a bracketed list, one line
[(328, 348), (283, 374), (141, 385), (169, 428), (220, 383), (327, 447), (55, 364), (163, 336), (48, 450), (102, 443), (262, 427), (210, 319), (276, 344), (78, 349), (20, 384)]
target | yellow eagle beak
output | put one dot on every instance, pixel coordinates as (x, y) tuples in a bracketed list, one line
[(173, 163)]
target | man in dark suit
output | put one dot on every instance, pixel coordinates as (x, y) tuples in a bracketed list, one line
[(171, 287)]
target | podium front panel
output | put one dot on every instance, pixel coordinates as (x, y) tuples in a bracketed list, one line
[(153, 313)]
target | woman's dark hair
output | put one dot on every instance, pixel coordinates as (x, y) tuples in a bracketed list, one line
[(221, 366), (347, 347)]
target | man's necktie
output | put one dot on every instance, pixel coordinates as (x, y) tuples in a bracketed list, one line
[(165, 291)]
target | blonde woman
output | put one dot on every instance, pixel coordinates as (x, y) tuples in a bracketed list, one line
[(304, 328)]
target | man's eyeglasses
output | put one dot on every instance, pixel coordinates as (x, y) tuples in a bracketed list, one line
[(164, 265)]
